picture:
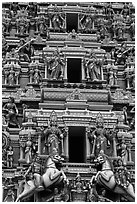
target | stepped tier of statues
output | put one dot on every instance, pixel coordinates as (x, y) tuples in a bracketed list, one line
[(68, 78)]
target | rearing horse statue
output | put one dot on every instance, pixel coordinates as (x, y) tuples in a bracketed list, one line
[(106, 178), (51, 176)]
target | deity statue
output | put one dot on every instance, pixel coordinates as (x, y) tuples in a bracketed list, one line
[(57, 195), (56, 65), (53, 137), (78, 183), (112, 74), (125, 11), (37, 76), (43, 28), (93, 70), (25, 50), (29, 148), (120, 54), (58, 21), (109, 11), (122, 176), (36, 169), (132, 29), (10, 197), (11, 112), (10, 157), (86, 23), (100, 139), (11, 76), (32, 9)]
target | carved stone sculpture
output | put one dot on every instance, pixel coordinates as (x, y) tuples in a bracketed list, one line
[(11, 111), (56, 66), (53, 137)]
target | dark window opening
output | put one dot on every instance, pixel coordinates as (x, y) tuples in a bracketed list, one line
[(74, 74), (72, 22), (77, 144)]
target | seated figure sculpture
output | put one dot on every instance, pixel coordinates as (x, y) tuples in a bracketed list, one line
[(10, 111)]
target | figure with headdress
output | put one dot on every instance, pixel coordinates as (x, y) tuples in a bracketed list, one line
[(99, 138), (29, 149), (53, 137), (36, 169), (56, 65), (10, 157), (10, 110), (92, 65)]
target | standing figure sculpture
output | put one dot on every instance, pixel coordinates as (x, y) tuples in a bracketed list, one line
[(86, 23), (93, 70), (53, 137), (56, 65), (100, 139), (11, 76), (29, 149), (58, 21), (10, 157), (10, 110)]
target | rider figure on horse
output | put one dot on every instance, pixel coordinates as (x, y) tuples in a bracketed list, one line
[(36, 169)]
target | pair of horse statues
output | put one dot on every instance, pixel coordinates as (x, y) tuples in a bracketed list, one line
[(52, 176)]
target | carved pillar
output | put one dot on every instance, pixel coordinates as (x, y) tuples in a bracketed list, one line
[(129, 152), (17, 78), (31, 76), (6, 77), (66, 143), (87, 145), (114, 147), (82, 68), (39, 142), (65, 70), (50, 23), (46, 71), (21, 150), (65, 22), (93, 24)]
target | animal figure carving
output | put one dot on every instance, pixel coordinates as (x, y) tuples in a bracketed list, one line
[(51, 176), (106, 178)]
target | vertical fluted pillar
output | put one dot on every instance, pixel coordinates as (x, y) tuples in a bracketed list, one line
[(39, 143), (87, 145), (129, 153), (21, 150), (66, 145), (46, 76), (65, 71), (114, 148), (82, 70)]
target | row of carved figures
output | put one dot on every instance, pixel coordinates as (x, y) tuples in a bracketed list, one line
[(55, 65), (100, 138), (114, 23)]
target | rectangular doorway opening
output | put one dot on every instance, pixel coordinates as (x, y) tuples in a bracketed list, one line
[(72, 22), (74, 74), (77, 145)]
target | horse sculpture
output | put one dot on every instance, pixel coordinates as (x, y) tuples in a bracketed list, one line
[(106, 178), (51, 176)]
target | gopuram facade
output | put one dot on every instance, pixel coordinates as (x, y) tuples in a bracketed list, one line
[(68, 102)]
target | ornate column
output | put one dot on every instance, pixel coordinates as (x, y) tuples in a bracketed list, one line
[(65, 70), (21, 150), (129, 152), (82, 69), (87, 145), (39, 142), (66, 143), (114, 147)]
